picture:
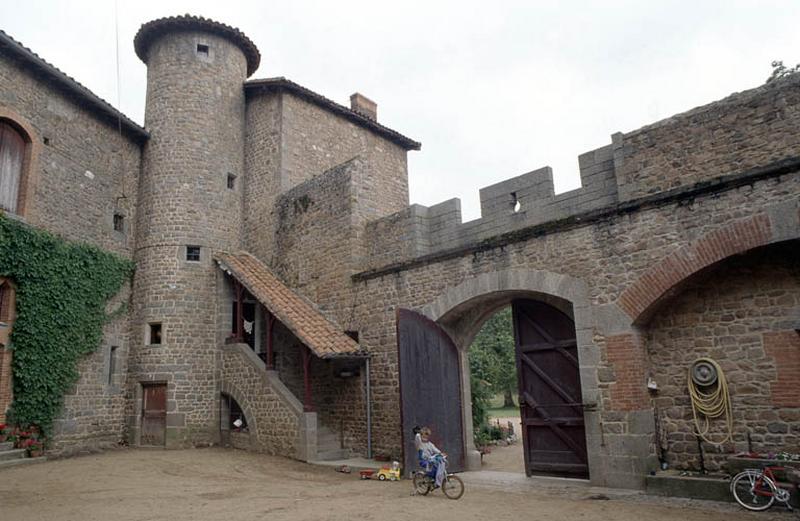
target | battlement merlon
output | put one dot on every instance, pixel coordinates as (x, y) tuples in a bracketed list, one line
[(741, 132)]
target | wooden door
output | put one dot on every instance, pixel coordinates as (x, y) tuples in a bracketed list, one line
[(430, 388), (553, 434), (154, 414)]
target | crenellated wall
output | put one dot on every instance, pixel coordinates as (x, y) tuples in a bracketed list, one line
[(419, 230), (722, 139)]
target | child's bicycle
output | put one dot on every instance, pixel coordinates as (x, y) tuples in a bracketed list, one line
[(424, 482), (757, 489), (452, 486)]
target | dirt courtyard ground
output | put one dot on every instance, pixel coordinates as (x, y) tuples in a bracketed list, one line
[(220, 484)]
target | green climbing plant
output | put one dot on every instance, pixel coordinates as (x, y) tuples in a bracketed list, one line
[(62, 290)]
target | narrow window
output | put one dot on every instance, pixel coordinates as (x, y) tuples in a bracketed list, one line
[(112, 363), (231, 181), (12, 148), (202, 49), (155, 333), (5, 302), (352, 334), (193, 253), (119, 223)]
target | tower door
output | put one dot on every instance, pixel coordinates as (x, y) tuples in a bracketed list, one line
[(553, 435), (430, 388), (154, 414)]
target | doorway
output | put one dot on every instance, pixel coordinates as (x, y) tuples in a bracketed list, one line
[(154, 414)]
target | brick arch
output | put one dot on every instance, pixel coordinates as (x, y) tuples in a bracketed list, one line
[(241, 399), (33, 142), (661, 280)]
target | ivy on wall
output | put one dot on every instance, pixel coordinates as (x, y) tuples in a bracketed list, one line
[(62, 290)]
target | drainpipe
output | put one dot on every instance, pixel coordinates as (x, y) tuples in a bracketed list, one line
[(369, 411)]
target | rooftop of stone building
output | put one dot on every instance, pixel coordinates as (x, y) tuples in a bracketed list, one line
[(28, 59), (154, 29), (281, 83), (299, 315)]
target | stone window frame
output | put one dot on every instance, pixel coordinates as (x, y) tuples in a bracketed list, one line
[(111, 366), (148, 328), (204, 56), (183, 252), (29, 173), (119, 216)]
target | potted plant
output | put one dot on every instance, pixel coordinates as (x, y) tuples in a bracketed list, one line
[(2, 432), (34, 447)]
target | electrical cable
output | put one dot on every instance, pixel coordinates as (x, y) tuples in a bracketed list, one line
[(710, 405)]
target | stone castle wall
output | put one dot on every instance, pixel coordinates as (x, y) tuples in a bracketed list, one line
[(82, 172), (612, 248), (291, 141), (744, 313), (740, 133)]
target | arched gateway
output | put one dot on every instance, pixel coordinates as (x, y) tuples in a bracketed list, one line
[(433, 387)]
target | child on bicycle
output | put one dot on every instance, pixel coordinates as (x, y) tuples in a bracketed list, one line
[(430, 457)]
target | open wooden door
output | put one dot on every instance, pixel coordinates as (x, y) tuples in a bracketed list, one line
[(430, 388), (553, 434)]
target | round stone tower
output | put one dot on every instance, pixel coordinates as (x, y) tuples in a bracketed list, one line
[(190, 205)]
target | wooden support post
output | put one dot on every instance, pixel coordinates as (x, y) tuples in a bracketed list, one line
[(270, 361), (308, 405), (239, 289)]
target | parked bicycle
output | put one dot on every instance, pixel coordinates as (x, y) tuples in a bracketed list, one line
[(757, 489)]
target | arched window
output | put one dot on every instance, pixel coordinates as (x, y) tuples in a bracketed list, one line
[(12, 154)]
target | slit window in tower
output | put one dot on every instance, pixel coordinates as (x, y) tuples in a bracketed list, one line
[(155, 334), (119, 223), (231, 181), (202, 49), (193, 253), (112, 364)]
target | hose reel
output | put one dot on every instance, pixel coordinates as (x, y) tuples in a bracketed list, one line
[(708, 390)]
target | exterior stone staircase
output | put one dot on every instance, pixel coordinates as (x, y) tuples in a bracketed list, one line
[(11, 457), (329, 447)]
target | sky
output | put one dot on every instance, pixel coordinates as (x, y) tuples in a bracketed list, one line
[(492, 89)]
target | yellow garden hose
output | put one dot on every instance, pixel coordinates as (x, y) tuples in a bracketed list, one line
[(711, 404)]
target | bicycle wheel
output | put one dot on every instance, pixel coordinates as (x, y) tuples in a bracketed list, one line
[(453, 487), (753, 490), (422, 485)]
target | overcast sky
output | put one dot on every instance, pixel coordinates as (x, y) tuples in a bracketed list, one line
[(491, 91)]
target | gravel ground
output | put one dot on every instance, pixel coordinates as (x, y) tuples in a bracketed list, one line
[(212, 484)]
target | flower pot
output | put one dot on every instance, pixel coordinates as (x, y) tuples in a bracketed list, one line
[(35, 453)]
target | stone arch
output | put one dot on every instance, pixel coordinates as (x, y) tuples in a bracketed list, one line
[(247, 409), (778, 223), (461, 310), (33, 142), (477, 298)]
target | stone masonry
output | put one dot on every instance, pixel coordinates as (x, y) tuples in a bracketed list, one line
[(681, 242)]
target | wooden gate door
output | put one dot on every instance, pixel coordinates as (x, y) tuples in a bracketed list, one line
[(154, 414), (553, 434), (430, 388)]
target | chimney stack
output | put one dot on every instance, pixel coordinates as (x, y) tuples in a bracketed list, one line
[(364, 106)]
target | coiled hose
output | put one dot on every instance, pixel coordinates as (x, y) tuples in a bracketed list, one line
[(712, 404)]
